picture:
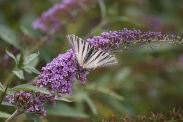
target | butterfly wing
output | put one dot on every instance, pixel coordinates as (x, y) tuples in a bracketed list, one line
[(100, 59), (88, 56), (79, 47)]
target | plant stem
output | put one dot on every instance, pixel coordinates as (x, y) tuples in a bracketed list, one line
[(100, 25), (15, 114), (7, 83), (40, 43), (27, 51)]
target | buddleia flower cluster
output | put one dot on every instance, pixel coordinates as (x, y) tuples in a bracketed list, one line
[(60, 14), (111, 41), (59, 75), (31, 102)]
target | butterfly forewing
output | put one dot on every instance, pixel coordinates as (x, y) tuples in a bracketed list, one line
[(76, 46), (88, 56)]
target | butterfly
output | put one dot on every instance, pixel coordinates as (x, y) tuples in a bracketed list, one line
[(88, 56)]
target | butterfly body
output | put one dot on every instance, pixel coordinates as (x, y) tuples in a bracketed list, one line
[(88, 56)]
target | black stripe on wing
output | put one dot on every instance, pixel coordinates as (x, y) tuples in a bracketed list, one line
[(88, 56), (94, 56), (107, 61)]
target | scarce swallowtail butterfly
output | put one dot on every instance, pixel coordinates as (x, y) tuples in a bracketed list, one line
[(88, 56)]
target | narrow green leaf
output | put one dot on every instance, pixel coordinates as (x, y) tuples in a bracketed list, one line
[(2, 88), (122, 74), (31, 69), (21, 60), (64, 110), (7, 104), (34, 117), (11, 55), (4, 115), (107, 92), (25, 25), (110, 93), (19, 73), (27, 70), (28, 87), (117, 105), (9, 36), (90, 104), (26, 30), (45, 54), (64, 99), (102, 8), (34, 62), (31, 57), (10, 91)]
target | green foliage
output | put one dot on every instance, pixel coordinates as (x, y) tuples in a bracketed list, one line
[(19, 73), (171, 116), (27, 87), (7, 104), (145, 80), (64, 110), (4, 115), (1, 87), (9, 36), (34, 117), (12, 56), (24, 63)]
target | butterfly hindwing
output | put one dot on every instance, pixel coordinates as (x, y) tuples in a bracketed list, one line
[(101, 59), (88, 56)]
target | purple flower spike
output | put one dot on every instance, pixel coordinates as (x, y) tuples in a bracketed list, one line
[(112, 40), (31, 102), (60, 14), (58, 75)]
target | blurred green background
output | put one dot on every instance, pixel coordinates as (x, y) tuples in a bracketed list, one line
[(145, 80)]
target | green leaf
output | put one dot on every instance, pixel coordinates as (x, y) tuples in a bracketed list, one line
[(9, 36), (90, 104), (106, 91), (26, 27), (19, 74), (64, 110), (30, 69), (45, 54), (117, 105), (28, 87), (110, 93), (27, 30), (34, 62), (4, 115), (21, 60), (11, 55), (2, 88), (34, 117), (31, 57), (122, 74), (10, 92), (7, 104), (64, 99), (102, 8)]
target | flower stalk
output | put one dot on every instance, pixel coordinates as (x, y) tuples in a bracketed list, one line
[(14, 115), (7, 84)]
